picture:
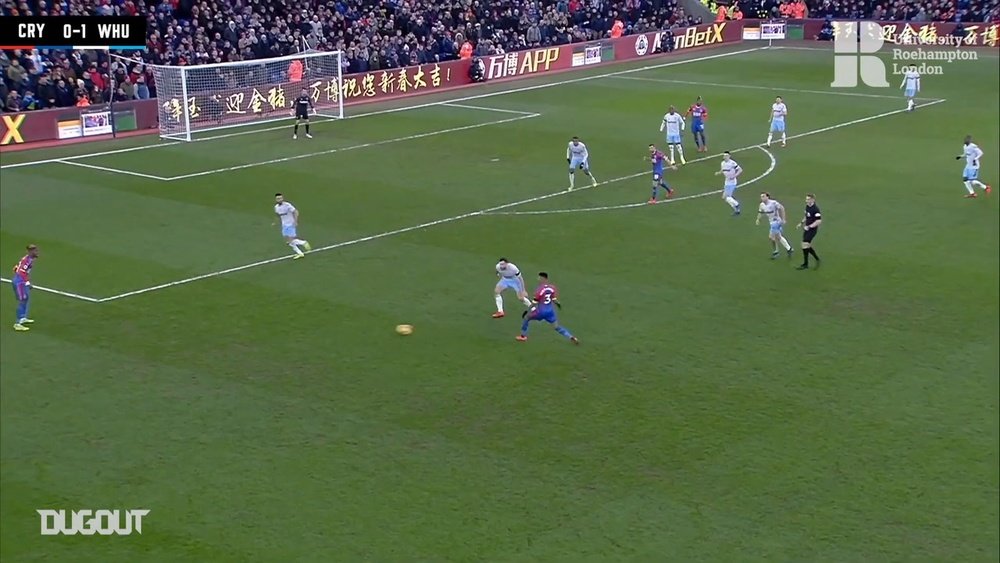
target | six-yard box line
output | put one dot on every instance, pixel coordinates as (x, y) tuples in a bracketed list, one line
[(487, 211)]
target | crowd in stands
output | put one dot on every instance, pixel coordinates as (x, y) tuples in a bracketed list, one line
[(373, 35)]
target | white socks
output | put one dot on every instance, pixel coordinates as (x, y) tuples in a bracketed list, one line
[(296, 248), (499, 300), (572, 178), (968, 186), (769, 139), (732, 202), (784, 138), (979, 184), (680, 153), (784, 243), (300, 242), (526, 301)]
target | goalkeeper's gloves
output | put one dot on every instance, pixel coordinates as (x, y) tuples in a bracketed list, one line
[(525, 313), (558, 304)]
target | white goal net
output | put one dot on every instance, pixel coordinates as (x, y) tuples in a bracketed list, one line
[(216, 96)]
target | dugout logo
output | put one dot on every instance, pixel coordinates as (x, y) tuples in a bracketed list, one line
[(854, 55), (91, 522)]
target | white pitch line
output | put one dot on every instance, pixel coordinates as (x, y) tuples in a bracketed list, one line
[(484, 108), (487, 211), (400, 109), (770, 168), (350, 148), (113, 170), (775, 89), (57, 292)]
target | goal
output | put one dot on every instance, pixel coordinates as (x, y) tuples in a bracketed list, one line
[(207, 97)]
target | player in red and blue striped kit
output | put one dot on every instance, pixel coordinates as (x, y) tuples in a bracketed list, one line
[(544, 309), (22, 287), (699, 114), (659, 162)]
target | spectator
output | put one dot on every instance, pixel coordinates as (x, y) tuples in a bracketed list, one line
[(46, 92)]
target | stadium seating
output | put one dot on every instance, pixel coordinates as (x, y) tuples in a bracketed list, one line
[(374, 35)]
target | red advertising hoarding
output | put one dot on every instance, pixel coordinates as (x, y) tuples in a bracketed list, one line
[(923, 34)]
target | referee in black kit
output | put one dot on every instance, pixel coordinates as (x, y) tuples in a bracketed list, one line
[(810, 228)]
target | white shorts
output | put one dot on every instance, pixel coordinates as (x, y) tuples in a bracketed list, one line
[(288, 231), (729, 189), (673, 139), (970, 173), (510, 283), (579, 162), (778, 126), (911, 93)]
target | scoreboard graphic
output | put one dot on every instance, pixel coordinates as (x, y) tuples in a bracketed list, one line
[(111, 33)]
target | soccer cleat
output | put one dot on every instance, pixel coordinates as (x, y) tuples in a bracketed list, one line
[(652, 201), (295, 137), (574, 340), (774, 255), (736, 212), (499, 315), (683, 162), (308, 136), (20, 327), (988, 189), (298, 256), (970, 196), (818, 261), (25, 321), (670, 194), (521, 338), (790, 252), (802, 267), (306, 245)]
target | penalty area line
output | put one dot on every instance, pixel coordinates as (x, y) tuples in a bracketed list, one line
[(487, 211), (773, 164), (57, 292)]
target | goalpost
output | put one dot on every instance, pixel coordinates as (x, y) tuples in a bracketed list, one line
[(208, 97)]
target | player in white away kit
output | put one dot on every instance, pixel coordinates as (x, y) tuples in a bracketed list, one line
[(911, 86), (970, 176), (778, 113), (578, 158), (776, 220), (289, 225), (730, 170), (510, 278), (673, 125)]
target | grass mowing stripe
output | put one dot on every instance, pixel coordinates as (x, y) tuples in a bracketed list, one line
[(475, 213)]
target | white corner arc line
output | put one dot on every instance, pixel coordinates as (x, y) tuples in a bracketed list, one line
[(350, 148), (472, 213), (398, 109), (775, 89), (113, 170), (57, 292), (773, 164)]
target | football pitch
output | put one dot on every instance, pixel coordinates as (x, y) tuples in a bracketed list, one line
[(723, 406)]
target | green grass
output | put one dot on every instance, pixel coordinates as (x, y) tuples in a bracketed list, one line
[(723, 406)]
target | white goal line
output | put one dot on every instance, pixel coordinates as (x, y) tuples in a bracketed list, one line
[(481, 212)]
